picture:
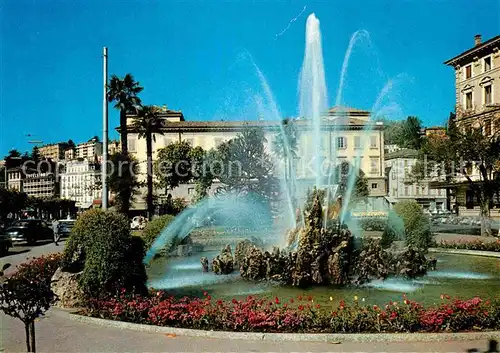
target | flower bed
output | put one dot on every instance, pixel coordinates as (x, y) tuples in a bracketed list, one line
[(38, 268), (299, 314), (470, 245)]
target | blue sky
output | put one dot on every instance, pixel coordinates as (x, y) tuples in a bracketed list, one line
[(194, 56)]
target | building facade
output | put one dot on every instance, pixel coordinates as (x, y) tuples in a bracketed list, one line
[(477, 85), (477, 105), (401, 186), (90, 150), (42, 185), (80, 182), (54, 151), (15, 178), (345, 136)]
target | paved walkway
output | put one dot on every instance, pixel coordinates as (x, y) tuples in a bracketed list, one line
[(54, 334)]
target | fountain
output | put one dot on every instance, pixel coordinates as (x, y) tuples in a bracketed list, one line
[(319, 252)]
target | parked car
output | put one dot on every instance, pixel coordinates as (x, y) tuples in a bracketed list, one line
[(5, 244), (65, 226), (138, 223), (29, 231)]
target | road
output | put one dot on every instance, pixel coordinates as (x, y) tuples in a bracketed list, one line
[(56, 333)]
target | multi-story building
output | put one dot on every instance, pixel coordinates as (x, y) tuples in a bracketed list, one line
[(90, 150), (343, 138), (80, 182), (15, 178), (402, 186), (477, 85), (477, 105), (54, 151), (40, 184)]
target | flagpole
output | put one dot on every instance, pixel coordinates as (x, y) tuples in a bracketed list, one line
[(105, 131)]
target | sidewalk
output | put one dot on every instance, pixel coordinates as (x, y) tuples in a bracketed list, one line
[(55, 333)]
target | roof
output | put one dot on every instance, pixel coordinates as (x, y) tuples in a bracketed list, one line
[(466, 54), (336, 110), (403, 153)]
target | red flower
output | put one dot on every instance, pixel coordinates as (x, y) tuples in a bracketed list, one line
[(309, 298), (301, 307), (234, 301), (375, 307), (318, 306), (292, 301), (209, 297), (205, 294), (299, 297), (276, 300)]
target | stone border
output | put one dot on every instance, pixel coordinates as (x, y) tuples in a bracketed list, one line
[(285, 337), (466, 252)]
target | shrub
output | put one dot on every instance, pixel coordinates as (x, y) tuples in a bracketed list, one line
[(111, 258), (154, 228), (470, 245), (416, 224), (373, 223), (393, 230)]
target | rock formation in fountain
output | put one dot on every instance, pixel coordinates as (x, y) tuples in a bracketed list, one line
[(223, 264), (324, 255)]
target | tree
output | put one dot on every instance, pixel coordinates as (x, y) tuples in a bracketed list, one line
[(342, 178), (412, 136), (466, 154), (173, 165), (123, 92), (202, 173), (285, 145), (147, 123), (71, 144), (122, 180), (26, 299), (245, 166), (35, 155)]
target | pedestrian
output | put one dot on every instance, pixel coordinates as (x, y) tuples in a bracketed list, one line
[(56, 227)]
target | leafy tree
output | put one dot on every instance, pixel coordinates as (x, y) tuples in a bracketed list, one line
[(122, 180), (147, 124), (245, 166), (71, 144), (285, 144), (26, 299), (14, 159), (359, 190), (202, 174), (123, 92), (464, 155), (173, 165), (12, 201), (393, 132)]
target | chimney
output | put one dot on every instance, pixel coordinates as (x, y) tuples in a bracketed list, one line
[(477, 40)]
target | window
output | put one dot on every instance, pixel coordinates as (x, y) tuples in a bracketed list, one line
[(394, 192), (373, 141), (374, 185), (468, 100), (417, 190), (190, 191), (487, 94), (487, 127), (357, 141), (131, 144), (374, 165), (341, 142), (393, 175), (487, 64), (406, 190), (468, 71)]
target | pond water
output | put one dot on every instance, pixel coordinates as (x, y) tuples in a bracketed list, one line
[(462, 276)]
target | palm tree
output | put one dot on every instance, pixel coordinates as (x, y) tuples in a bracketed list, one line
[(147, 123), (124, 93)]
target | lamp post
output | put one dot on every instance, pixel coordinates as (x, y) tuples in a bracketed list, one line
[(105, 131)]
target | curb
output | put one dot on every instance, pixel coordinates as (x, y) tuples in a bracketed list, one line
[(286, 337), (466, 252)]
